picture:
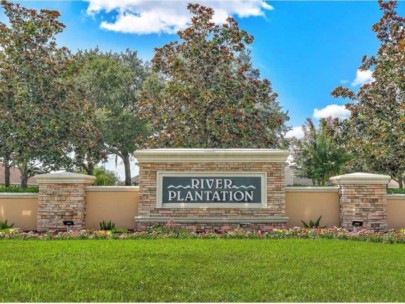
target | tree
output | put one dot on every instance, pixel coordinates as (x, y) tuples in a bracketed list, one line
[(376, 128), (104, 177), (39, 113), (212, 97), (112, 81), (319, 154)]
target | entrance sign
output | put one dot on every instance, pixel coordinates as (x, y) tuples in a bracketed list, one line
[(211, 189)]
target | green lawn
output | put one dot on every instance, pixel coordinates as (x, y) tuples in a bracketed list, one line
[(201, 270)]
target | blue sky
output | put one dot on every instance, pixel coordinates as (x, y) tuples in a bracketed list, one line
[(305, 48)]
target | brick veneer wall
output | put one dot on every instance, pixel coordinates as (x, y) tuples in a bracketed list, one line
[(148, 191), (59, 202), (365, 203)]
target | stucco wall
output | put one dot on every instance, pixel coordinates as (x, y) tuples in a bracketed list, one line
[(20, 209), (120, 205), (116, 204), (396, 211), (308, 203)]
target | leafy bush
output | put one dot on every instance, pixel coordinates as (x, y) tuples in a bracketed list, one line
[(18, 189), (107, 225), (312, 224), (119, 230), (105, 177), (396, 191), (5, 225)]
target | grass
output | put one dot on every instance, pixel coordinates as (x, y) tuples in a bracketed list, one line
[(201, 270), (18, 189)]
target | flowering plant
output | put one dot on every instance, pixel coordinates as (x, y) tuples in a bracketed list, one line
[(177, 232)]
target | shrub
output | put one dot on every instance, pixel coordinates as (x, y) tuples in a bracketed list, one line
[(105, 177), (107, 225), (119, 230), (5, 225), (18, 189), (396, 191), (312, 224)]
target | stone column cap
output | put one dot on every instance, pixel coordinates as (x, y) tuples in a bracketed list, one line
[(360, 178), (211, 155), (64, 178)]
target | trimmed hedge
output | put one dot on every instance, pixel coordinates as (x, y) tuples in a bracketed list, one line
[(18, 189)]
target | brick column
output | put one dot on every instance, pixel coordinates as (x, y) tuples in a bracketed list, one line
[(62, 196), (363, 198)]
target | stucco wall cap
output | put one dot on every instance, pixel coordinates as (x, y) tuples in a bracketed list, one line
[(112, 188), (360, 178), (211, 155), (64, 178), (25, 195), (311, 189)]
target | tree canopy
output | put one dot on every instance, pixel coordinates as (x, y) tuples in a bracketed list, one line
[(112, 81), (320, 155), (39, 114), (376, 129), (212, 97)]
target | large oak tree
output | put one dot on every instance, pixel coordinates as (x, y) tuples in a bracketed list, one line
[(112, 81), (376, 128), (212, 97), (40, 115)]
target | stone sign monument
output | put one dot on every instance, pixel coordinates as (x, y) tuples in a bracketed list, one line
[(209, 188)]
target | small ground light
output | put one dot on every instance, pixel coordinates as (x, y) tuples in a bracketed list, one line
[(69, 225), (357, 224)]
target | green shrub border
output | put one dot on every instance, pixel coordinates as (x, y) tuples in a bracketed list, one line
[(177, 232), (18, 189), (396, 191)]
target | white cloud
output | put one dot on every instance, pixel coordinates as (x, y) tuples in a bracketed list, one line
[(333, 111), (296, 132), (344, 81), (363, 77), (163, 16)]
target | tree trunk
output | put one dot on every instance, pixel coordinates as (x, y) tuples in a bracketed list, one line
[(127, 165), (6, 164), (24, 175), (24, 180), (401, 182), (90, 169)]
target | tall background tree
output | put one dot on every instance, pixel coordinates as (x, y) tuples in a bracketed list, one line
[(113, 81), (320, 155), (212, 97), (39, 113), (376, 128)]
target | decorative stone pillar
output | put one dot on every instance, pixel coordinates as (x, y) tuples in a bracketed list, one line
[(61, 197), (363, 198)]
